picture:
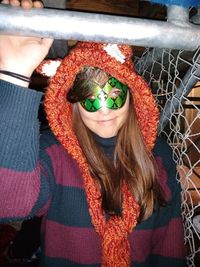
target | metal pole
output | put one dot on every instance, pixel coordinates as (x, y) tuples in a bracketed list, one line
[(59, 48), (72, 25), (177, 15)]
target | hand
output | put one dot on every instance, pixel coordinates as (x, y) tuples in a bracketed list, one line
[(26, 4), (22, 54)]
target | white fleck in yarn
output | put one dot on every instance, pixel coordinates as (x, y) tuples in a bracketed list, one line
[(113, 51), (49, 68)]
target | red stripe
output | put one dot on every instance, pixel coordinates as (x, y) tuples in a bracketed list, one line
[(163, 178), (80, 245), (61, 160), (165, 241), (169, 241), (18, 191), (140, 243)]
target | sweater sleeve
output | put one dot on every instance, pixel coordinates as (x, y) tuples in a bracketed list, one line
[(168, 247), (21, 178)]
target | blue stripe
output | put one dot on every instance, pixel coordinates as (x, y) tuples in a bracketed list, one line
[(73, 210), (160, 218), (47, 139), (69, 204), (160, 261), (153, 261), (57, 262)]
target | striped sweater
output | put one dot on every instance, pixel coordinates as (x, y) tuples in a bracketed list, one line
[(39, 178)]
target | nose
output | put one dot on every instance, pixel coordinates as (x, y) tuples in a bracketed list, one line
[(104, 110)]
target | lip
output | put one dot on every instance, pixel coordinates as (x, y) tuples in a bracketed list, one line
[(106, 120)]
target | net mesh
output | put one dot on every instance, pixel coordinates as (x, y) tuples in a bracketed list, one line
[(174, 77)]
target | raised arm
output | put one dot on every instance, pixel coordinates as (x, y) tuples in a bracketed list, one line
[(21, 179)]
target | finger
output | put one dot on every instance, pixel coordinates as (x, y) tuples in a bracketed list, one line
[(5, 2), (14, 3), (26, 4), (38, 4)]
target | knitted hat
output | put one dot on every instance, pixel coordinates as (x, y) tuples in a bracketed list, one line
[(116, 61)]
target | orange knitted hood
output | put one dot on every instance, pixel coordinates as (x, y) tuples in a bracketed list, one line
[(116, 61)]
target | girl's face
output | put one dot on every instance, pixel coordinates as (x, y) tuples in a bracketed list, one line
[(105, 121)]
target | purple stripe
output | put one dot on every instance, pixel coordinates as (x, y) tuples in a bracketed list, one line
[(169, 241), (61, 160), (80, 245), (140, 243), (162, 178), (19, 192), (164, 241)]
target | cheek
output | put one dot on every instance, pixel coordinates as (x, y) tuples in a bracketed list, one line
[(85, 116), (86, 119)]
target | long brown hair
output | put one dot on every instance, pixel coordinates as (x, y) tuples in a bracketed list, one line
[(132, 161)]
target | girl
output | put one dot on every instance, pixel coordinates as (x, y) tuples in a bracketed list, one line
[(106, 188)]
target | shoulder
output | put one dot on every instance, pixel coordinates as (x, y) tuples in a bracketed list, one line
[(51, 145), (47, 139)]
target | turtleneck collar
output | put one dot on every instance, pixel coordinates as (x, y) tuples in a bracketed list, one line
[(107, 145)]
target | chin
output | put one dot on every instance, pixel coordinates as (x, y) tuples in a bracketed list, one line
[(106, 134)]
